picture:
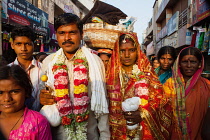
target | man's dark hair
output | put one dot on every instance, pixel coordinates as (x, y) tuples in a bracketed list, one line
[(67, 19), (19, 75), (23, 31)]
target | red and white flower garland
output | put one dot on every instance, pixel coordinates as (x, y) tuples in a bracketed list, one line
[(74, 114), (141, 89), (141, 86)]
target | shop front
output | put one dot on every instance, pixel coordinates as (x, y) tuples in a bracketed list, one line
[(200, 28), (22, 13)]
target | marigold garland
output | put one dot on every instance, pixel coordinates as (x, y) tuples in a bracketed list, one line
[(74, 113)]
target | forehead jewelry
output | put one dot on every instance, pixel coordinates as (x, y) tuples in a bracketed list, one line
[(124, 40)]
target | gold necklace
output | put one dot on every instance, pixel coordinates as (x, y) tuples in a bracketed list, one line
[(16, 122), (126, 75)]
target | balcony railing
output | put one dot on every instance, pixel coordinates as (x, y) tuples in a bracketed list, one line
[(183, 18)]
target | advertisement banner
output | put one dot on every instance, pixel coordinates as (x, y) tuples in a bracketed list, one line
[(22, 12), (172, 24), (203, 10)]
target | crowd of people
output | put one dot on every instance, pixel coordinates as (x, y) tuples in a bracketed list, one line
[(118, 97)]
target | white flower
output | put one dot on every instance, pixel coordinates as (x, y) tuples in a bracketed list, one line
[(60, 71), (131, 104), (135, 70), (80, 66), (80, 75), (61, 80), (141, 91)]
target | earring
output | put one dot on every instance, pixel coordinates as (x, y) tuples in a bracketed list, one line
[(199, 67)]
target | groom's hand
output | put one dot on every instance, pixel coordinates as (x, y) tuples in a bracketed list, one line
[(46, 98)]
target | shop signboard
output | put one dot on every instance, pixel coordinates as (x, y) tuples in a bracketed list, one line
[(22, 12), (203, 9), (172, 24)]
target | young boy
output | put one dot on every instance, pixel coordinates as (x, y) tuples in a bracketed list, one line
[(22, 43)]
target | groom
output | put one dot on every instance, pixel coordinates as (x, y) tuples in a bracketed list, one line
[(76, 77)]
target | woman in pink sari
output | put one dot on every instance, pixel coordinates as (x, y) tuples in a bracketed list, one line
[(189, 93), (17, 122)]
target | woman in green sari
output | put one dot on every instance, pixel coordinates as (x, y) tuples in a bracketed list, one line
[(166, 57)]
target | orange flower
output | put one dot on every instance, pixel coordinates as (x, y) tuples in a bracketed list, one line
[(64, 66), (79, 60), (79, 119), (86, 117), (66, 120)]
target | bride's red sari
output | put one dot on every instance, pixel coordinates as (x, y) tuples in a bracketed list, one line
[(155, 110)]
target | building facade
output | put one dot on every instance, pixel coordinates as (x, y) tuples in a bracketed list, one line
[(176, 23)]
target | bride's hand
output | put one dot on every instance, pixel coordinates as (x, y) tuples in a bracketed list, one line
[(133, 117)]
